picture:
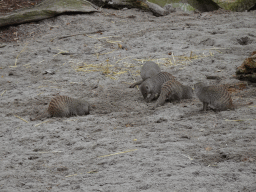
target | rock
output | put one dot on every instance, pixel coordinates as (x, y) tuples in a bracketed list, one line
[(211, 5), (46, 9), (203, 5), (156, 9), (247, 71), (236, 5)]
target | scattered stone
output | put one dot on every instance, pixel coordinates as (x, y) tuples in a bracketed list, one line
[(49, 71)]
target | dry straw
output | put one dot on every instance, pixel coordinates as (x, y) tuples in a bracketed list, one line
[(3, 93), (16, 60), (41, 123), (21, 118), (118, 153), (110, 69)]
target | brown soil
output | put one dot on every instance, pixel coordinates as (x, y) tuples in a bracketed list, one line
[(9, 34)]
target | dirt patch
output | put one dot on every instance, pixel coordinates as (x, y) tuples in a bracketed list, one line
[(123, 145)]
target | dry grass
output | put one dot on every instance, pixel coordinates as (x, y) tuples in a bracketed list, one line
[(110, 67)]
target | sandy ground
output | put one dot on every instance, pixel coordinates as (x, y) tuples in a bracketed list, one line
[(123, 145)]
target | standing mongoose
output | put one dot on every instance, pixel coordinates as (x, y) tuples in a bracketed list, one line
[(149, 69), (214, 95), (173, 90), (151, 88), (63, 106)]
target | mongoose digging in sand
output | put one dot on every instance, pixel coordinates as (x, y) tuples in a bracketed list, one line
[(214, 95), (149, 69), (63, 106), (173, 90), (151, 88)]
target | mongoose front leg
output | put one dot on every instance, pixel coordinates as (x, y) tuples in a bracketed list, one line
[(136, 83), (205, 106), (160, 101)]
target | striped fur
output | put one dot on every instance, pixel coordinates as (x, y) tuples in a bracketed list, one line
[(149, 69), (173, 90), (63, 106), (151, 88), (214, 95)]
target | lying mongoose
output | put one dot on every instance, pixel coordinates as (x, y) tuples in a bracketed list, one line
[(173, 90), (63, 106), (151, 88), (149, 69), (214, 95)]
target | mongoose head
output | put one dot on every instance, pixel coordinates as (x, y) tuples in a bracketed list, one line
[(188, 92), (199, 86), (147, 91), (83, 108)]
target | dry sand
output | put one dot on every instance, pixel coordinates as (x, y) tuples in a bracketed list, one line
[(123, 145)]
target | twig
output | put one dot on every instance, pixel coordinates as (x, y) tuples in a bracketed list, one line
[(212, 77), (95, 52), (240, 120), (133, 78), (71, 175), (118, 153), (216, 48), (43, 152), (173, 58), (1, 46), (188, 157), (65, 53), (66, 36)]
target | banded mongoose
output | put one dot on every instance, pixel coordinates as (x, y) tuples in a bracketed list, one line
[(173, 90), (151, 88), (64, 106), (149, 69), (214, 95)]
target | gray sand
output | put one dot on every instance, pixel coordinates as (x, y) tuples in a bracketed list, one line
[(123, 145)]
